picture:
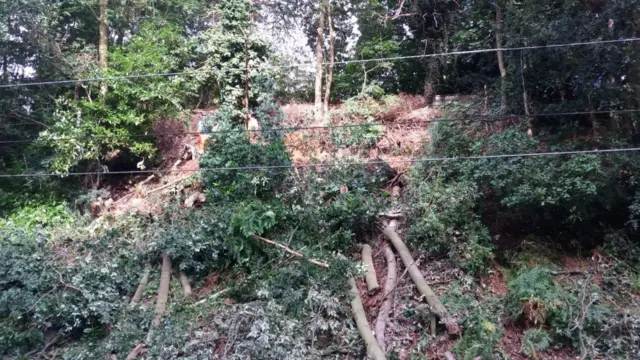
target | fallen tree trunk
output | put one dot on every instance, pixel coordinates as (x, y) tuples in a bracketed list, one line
[(449, 356), (163, 290), (385, 308), (186, 287), (371, 279), (135, 352), (293, 252), (432, 299), (373, 350), (141, 286)]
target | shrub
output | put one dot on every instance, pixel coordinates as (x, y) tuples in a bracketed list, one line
[(232, 148), (533, 296), (63, 290), (534, 341), (444, 219), (480, 322)]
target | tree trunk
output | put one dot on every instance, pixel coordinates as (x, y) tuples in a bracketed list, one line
[(503, 70), (364, 81), (385, 308), (163, 290), (332, 44), (186, 287), (103, 46), (5, 56), (246, 81), (319, 65), (525, 97), (143, 284), (432, 299), (5, 68), (371, 279), (373, 350)]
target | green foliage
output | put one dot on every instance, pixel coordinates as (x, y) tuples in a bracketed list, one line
[(64, 291), (237, 55), (100, 125), (534, 297), (32, 214), (357, 117), (444, 219), (480, 322), (558, 196), (232, 148), (534, 341)]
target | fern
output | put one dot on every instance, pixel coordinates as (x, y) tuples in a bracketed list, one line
[(533, 295), (535, 340)]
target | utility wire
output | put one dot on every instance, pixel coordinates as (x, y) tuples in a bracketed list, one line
[(463, 52), (326, 165), (474, 118), (481, 51)]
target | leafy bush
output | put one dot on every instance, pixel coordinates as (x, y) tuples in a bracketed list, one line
[(534, 341), (559, 195), (534, 297), (32, 215), (444, 219), (64, 289), (232, 148), (480, 322), (98, 126)]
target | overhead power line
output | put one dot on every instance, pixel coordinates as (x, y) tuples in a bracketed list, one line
[(469, 119), (482, 51), (326, 165), (462, 52)]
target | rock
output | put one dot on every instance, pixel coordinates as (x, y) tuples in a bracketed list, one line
[(195, 198), (108, 203), (139, 206)]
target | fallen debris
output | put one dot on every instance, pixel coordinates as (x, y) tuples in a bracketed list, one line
[(141, 286), (432, 299), (385, 308), (186, 287), (293, 252), (195, 198), (373, 350), (371, 279)]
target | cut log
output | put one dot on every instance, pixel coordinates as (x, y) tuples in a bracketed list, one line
[(385, 308), (432, 299), (371, 279), (449, 356), (195, 198), (135, 352), (186, 287), (169, 184), (373, 350), (163, 290), (141, 287)]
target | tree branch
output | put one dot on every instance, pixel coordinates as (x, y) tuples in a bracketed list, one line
[(293, 252)]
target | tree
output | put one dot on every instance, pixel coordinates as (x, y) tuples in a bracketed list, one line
[(322, 9), (103, 47), (238, 63)]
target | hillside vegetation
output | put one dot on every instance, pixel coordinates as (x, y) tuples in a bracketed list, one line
[(178, 182)]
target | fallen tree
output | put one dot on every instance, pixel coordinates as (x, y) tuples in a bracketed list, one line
[(385, 308), (141, 286), (371, 279), (373, 350), (186, 287), (163, 294), (432, 299)]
